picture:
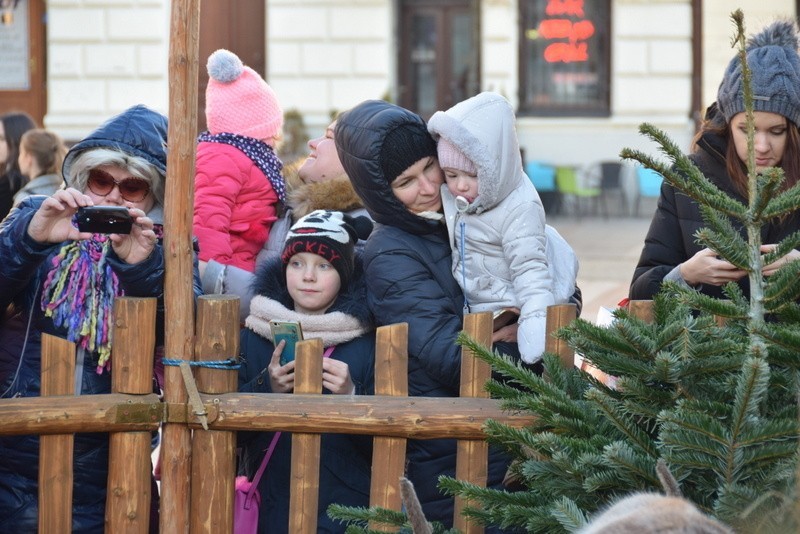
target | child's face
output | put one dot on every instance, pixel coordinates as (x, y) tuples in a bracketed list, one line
[(313, 283), (461, 183)]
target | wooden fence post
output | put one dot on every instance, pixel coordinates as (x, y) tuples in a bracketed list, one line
[(176, 451), (473, 455), (304, 501), (558, 316), (214, 451), (389, 454), (129, 465), (55, 451)]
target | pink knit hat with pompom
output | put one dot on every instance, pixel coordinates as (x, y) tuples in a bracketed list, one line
[(238, 100)]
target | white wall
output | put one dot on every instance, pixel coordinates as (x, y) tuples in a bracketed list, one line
[(104, 56), (329, 55)]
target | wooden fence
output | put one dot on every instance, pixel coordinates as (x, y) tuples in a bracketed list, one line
[(132, 412)]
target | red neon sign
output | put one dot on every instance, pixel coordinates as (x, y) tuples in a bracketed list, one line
[(575, 33), (564, 7)]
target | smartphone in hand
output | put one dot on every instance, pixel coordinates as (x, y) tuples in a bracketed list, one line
[(104, 219), (289, 331)]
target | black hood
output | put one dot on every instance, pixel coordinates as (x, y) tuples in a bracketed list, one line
[(270, 282), (360, 134)]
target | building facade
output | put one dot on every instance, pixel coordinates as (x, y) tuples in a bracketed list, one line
[(582, 74)]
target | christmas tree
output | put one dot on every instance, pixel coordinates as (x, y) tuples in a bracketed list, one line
[(708, 386)]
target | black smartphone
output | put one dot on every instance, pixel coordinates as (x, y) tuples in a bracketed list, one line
[(104, 219), (290, 332)]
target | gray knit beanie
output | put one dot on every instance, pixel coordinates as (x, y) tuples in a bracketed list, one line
[(775, 66)]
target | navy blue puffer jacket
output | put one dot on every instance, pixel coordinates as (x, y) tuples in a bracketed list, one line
[(407, 262), (23, 269)]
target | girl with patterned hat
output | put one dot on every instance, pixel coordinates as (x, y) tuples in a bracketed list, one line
[(317, 281), (238, 182)]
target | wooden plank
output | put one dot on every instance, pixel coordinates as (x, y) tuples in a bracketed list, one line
[(473, 455), (413, 417), (55, 452), (129, 465), (389, 453), (304, 492), (558, 316), (214, 451), (178, 255)]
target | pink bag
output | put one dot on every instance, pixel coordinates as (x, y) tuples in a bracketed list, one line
[(245, 507), (247, 498)]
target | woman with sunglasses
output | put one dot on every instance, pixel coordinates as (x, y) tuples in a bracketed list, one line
[(59, 280)]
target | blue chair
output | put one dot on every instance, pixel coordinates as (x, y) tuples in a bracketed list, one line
[(543, 176), (649, 185)]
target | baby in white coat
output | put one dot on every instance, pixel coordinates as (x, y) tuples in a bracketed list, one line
[(495, 218)]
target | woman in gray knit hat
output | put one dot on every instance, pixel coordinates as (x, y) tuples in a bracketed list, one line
[(720, 152)]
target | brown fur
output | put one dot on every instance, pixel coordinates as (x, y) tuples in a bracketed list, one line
[(650, 513), (419, 525), (337, 194)]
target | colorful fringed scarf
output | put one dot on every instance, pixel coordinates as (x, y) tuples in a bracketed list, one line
[(79, 295)]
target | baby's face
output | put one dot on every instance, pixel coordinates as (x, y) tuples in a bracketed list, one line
[(461, 184)]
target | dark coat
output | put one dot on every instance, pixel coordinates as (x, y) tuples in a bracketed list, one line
[(671, 238), (23, 269), (407, 262), (345, 460)]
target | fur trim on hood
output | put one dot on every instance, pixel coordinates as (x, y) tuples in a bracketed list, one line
[(333, 195)]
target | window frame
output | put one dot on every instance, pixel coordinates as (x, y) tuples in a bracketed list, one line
[(601, 107)]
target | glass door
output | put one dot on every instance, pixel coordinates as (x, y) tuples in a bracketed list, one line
[(439, 56)]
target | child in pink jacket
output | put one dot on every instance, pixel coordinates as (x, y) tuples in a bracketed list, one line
[(238, 181)]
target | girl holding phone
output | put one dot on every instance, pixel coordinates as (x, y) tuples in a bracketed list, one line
[(318, 283)]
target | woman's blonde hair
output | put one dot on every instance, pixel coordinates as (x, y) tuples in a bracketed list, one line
[(137, 166), (47, 148)]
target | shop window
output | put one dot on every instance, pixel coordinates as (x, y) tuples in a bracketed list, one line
[(565, 57)]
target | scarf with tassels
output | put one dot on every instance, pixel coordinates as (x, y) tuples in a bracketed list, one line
[(79, 293)]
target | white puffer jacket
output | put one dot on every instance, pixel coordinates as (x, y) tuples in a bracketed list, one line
[(502, 260)]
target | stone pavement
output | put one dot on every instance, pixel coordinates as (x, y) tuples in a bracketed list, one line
[(608, 250)]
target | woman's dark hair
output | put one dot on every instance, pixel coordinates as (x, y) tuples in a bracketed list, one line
[(15, 124)]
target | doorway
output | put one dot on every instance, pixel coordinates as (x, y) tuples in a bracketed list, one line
[(240, 29), (439, 62), (23, 62)]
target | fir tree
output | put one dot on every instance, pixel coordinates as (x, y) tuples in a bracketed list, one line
[(708, 386)]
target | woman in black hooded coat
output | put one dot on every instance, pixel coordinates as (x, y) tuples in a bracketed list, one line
[(391, 159)]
